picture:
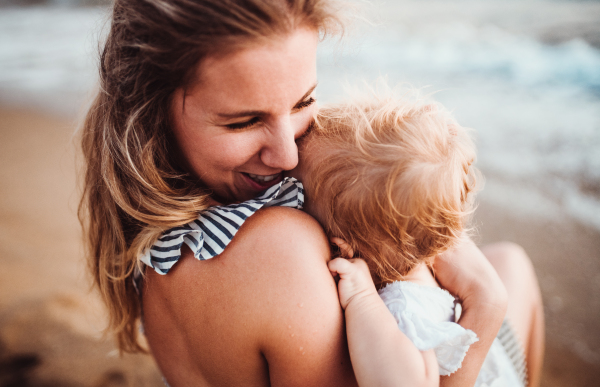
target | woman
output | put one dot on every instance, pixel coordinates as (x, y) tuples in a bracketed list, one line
[(201, 103)]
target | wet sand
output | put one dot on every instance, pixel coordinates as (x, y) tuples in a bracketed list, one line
[(50, 323)]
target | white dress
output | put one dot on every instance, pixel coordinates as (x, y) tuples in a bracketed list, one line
[(426, 316)]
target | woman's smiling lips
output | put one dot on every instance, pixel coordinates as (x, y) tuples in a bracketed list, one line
[(262, 182)]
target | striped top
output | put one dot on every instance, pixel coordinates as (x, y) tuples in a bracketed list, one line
[(216, 226)]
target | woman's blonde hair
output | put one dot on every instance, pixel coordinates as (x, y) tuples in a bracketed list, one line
[(394, 177), (134, 187)]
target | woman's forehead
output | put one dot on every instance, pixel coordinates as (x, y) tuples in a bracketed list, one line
[(277, 72)]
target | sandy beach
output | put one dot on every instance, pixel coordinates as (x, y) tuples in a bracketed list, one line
[(50, 321)]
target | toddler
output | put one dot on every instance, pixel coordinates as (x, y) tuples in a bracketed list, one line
[(392, 182)]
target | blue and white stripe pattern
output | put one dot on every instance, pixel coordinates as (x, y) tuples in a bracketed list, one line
[(216, 226)]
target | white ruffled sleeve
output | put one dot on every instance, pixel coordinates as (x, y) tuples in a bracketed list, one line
[(425, 315)]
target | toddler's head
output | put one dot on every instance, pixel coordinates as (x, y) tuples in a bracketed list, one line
[(393, 178)]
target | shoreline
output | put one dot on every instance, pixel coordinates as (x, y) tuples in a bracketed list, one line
[(51, 323)]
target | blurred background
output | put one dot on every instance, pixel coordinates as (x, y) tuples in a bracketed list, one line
[(524, 74)]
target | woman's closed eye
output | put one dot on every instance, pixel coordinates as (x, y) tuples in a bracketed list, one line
[(253, 121), (304, 104), (243, 125)]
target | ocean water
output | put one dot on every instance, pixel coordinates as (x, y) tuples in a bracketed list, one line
[(524, 74), (49, 56)]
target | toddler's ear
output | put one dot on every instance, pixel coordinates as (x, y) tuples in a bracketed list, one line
[(345, 250)]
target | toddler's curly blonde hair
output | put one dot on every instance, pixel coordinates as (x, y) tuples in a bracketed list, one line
[(393, 178)]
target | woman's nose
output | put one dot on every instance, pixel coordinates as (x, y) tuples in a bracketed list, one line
[(280, 150)]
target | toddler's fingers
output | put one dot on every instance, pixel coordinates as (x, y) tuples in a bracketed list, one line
[(341, 266), (360, 265)]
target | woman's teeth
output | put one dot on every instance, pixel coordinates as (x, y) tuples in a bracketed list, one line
[(262, 178)]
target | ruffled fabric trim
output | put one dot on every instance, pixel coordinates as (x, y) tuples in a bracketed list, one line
[(216, 226), (425, 315)]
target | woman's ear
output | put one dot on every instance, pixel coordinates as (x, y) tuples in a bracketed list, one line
[(345, 250)]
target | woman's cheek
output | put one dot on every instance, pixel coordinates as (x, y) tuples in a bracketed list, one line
[(236, 149)]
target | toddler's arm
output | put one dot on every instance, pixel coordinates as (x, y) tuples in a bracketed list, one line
[(381, 354)]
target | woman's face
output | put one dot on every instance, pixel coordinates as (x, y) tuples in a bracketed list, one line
[(237, 124)]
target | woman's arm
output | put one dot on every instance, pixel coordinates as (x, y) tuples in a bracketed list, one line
[(381, 354), (466, 273)]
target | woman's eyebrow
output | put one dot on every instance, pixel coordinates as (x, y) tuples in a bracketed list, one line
[(255, 113)]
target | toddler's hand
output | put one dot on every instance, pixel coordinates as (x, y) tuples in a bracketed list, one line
[(355, 280)]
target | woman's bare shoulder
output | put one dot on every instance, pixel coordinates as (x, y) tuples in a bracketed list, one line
[(270, 241), (287, 224), (273, 298), (283, 230)]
